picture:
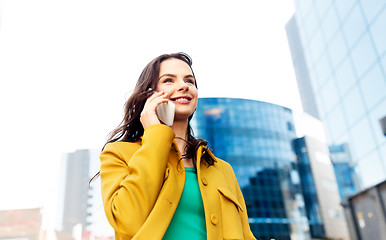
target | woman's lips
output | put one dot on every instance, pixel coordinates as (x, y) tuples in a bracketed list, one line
[(183, 99)]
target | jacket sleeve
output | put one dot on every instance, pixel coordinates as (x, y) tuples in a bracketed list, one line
[(132, 177), (244, 216)]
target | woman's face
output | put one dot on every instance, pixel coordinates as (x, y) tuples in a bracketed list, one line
[(177, 81)]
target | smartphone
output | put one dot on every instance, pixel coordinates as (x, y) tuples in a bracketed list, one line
[(165, 113)]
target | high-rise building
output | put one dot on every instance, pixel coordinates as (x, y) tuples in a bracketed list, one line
[(346, 178), (74, 191), (80, 208), (339, 54), (320, 190), (256, 139)]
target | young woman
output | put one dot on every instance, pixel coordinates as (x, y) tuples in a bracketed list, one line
[(159, 182)]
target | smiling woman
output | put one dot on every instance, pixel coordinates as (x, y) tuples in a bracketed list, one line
[(177, 82), (160, 182)]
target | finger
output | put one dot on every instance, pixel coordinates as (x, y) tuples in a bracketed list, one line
[(153, 103), (151, 98), (155, 95)]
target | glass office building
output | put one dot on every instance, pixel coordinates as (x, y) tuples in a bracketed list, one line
[(339, 54), (309, 190), (320, 189), (256, 139), (344, 172)]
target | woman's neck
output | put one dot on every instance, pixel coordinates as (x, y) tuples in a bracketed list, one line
[(181, 135), (180, 130)]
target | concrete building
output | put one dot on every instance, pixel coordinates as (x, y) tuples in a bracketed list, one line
[(319, 183), (21, 224), (366, 213), (320, 190), (74, 195), (80, 210)]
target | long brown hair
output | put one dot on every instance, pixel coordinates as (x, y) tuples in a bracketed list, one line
[(131, 129)]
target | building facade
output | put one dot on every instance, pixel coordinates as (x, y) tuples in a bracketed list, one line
[(320, 190), (256, 139), (74, 192), (339, 54), (80, 208), (344, 171), (366, 213), (23, 224)]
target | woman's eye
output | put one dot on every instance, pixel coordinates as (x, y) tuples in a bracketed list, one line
[(191, 81), (168, 80)]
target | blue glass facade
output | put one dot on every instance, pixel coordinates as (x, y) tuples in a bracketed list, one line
[(344, 172), (256, 139), (344, 48), (309, 190)]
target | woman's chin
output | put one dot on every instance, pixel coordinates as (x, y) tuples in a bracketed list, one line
[(184, 116)]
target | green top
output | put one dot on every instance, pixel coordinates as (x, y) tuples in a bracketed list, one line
[(188, 221)]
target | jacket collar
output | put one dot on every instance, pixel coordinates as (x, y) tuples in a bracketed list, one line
[(200, 151)]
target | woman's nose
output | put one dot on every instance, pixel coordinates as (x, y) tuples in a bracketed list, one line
[(183, 87)]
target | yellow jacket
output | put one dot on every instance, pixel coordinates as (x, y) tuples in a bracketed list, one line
[(142, 183)]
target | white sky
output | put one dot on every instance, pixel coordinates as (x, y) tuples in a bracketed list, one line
[(66, 68)]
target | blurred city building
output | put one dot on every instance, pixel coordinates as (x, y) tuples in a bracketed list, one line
[(339, 55), (319, 183), (366, 213), (257, 139), (382, 121), (21, 224), (320, 190), (344, 170), (80, 210)]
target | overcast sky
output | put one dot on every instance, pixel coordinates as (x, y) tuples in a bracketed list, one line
[(66, 68)]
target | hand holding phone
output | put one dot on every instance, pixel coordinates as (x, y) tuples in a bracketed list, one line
[(165, 113)]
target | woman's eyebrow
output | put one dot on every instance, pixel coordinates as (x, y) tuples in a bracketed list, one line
[(173, 75), (167, 75), (189, 76)]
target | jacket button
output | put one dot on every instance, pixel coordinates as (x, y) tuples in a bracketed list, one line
[(214, 219), (204, 181)]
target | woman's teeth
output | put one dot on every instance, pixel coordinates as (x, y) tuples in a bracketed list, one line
[(181, 100)]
